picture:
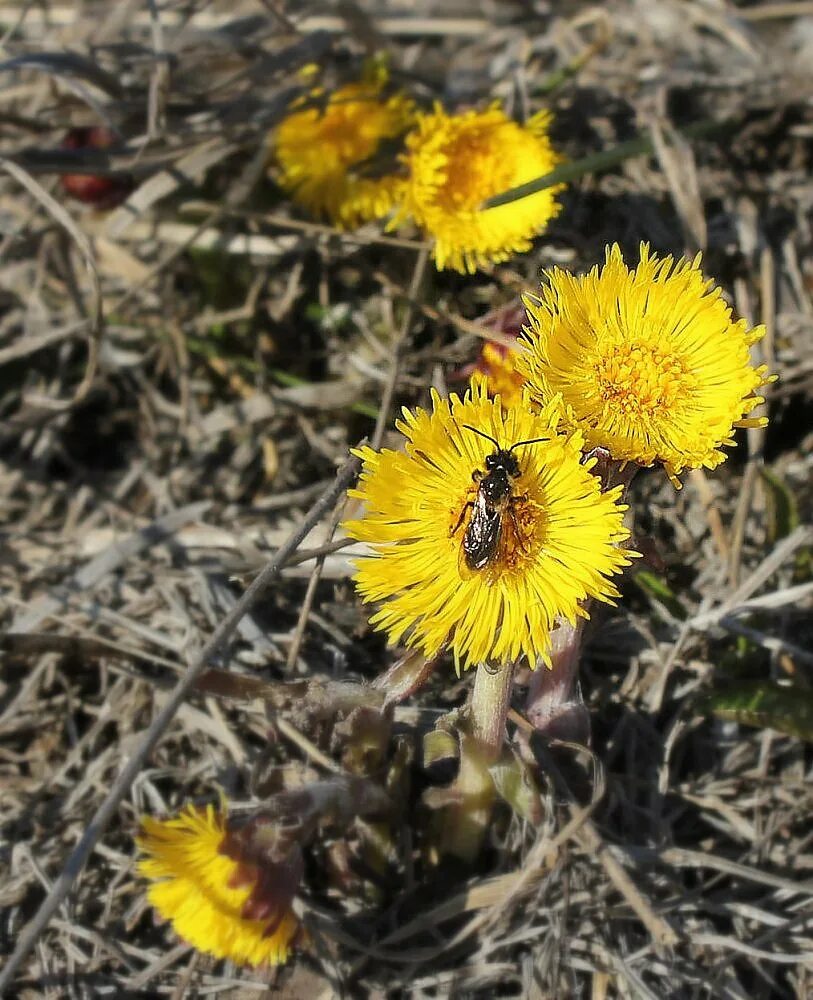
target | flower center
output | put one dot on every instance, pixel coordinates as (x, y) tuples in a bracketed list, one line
[(519, 539), (474, 171), (640, 379), (345, 138), (515, 544)]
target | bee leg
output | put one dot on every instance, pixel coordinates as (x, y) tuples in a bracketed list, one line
[(477, 475), (460, 519), (515, 525)]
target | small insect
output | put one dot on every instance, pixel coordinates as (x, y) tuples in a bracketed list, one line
[(495, 499)]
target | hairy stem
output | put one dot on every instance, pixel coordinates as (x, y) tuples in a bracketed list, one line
[(467, 819), (554, 704), (490, 700)]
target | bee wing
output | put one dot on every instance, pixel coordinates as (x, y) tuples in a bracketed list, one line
[(482, 534)]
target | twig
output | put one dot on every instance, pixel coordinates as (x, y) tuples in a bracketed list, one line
[(799, 537), (769, 642), (774, 11), (698, 479), (593, 843), (364, 237), (73, 866), (95, 322), (90, 575), (308, 747), (586, 834), (392, 377), (406, 25), (440, 315), (310, 592), (679, 857), (774, 599)]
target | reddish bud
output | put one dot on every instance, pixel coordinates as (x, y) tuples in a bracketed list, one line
[(495, 360), (94, 189)]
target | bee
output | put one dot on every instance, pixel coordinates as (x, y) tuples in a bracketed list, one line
[(495, 499)]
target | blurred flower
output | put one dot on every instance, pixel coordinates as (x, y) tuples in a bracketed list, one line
[(326, 150), (225, 906), (556, 546), (457, 162), (496, 361), (498, 364), (95, 189), (649, 363)]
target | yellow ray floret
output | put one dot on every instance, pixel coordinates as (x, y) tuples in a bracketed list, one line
[(499, 366), (457, 162), (204, 893), (558, 543), (648, 361), (326, 150)]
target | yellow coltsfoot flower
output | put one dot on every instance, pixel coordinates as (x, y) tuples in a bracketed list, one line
[(325, 150), (648, 362), (498, 364), (478, 560), (224, 907), (457, 162)]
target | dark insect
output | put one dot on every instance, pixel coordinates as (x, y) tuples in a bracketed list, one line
[(495, 499)]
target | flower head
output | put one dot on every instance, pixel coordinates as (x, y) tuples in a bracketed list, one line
[(225, 907), (498, 359), (325, 150), (498, 364), (555, 546), (648, 361), (457, 162)]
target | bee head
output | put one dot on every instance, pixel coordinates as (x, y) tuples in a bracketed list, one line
[(503, 459), (511, 464)]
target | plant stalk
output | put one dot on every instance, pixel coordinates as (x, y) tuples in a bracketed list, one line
[(466, 821), (554, 704), (490, 701)]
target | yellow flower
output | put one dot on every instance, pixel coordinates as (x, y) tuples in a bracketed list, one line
[(325, 150), (499, 366), (649, 363), (457, 162), (556, 546), (226, 908)]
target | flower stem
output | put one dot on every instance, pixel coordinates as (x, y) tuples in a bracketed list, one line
[(466, 822), (490, 701), (554, 704)]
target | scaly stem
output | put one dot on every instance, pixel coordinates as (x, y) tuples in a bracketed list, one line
[(490, 701), (554, 704), (465, 823)]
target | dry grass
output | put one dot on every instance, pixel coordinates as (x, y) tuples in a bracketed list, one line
[(179, 380)]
